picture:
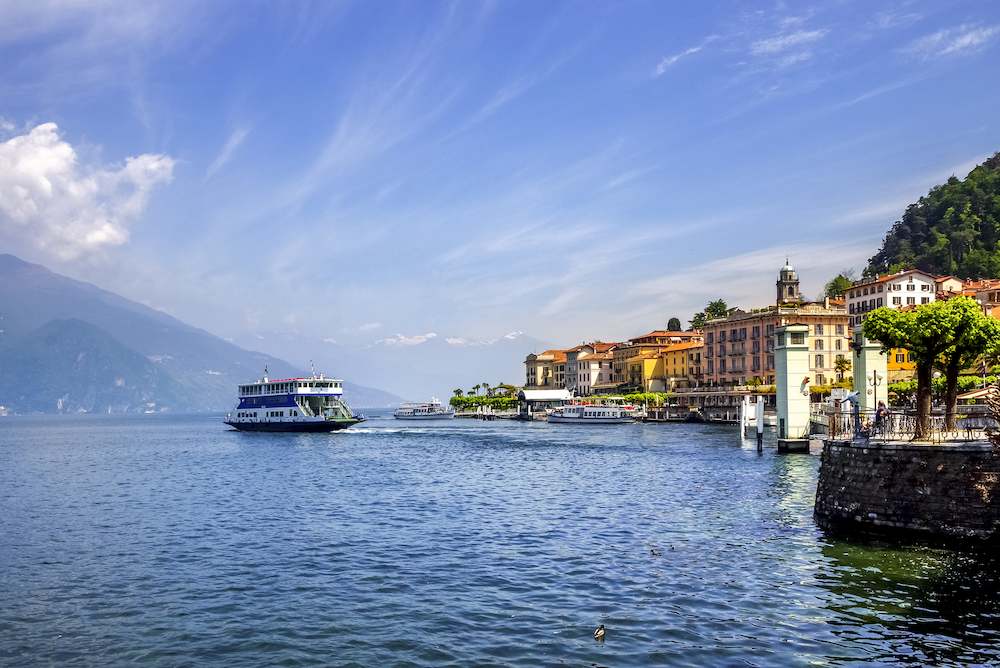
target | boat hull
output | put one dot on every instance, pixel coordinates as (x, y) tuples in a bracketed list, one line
[(299, 427), (590, 420)]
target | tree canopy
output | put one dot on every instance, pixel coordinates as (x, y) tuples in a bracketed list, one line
[(954, 229), (838, 285), (674, 325), (715, 309)]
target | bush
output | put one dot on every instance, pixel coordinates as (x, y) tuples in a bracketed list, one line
[(474, 402)]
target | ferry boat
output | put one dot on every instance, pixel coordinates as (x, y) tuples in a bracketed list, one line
[(311, 404), (584, 414), (432, 410)]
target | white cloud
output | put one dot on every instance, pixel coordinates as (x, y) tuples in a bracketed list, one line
[(965, 38), (403, 340), (226, 153), (784, 42), (455, 341), (669, 61), (49, 200)]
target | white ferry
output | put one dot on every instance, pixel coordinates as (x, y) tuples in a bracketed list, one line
[(583, 414), (432, 410), (310, 404)]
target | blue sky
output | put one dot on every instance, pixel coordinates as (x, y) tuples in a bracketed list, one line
[(367, 172)]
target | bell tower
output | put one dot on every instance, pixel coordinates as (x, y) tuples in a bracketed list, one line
[(788, 285)]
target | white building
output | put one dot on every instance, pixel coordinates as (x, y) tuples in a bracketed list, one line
[(588, 365), (906, 288)]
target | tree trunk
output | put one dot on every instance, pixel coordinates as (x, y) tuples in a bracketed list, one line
[(924, 375), (951, 391)]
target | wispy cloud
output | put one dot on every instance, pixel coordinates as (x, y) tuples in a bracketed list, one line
[(369, 326), (669, 61), (784, 42), (963, 39), (404, 340), (236, 138)]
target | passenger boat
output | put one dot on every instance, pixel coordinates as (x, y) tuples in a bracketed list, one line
[(584, 414), (311, 404), (432, 410)]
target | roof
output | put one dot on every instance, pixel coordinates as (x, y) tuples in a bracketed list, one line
[(668, 332), (891, 277), (544, 395), (683, 346), (981, 393)]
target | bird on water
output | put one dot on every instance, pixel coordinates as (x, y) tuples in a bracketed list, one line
[(599, 633)]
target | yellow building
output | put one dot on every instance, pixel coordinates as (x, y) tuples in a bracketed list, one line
[(661, 370), (900, 365)]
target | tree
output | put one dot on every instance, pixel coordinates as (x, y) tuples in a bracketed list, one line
[(839, 284), (475, 389), (974, 334), (487, 390), (457, 392), (927, 331), (714, 309), (842, 366), (674, 325)]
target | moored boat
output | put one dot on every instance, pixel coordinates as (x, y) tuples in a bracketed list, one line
[(431, 410), (311, 404), (586, 414)]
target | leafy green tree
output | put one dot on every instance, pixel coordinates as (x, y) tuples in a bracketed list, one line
[(674, 325), (715, 309), (457, 392), (927, 331), (838, 285), (973, 336)]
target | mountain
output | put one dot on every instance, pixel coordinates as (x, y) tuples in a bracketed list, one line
[(205, 367), (415, 367), (68, 366), (953, 230)]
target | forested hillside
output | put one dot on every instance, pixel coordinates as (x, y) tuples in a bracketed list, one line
[(954, 229)]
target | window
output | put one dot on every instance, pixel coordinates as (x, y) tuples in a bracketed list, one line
[(819, 361), (897, 301), (819, 330), (819, 344), (911, 300), (798, 338), (911, 287), (839, 345), (820, 379), (840, 329), (925, 300), (900, 358), (879, 301)]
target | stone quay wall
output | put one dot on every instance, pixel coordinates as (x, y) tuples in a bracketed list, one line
[(936, 492)]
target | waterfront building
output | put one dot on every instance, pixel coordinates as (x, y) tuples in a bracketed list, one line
[(655, 342), (587, 365), (740, 347), (546, 369), (905, 288)]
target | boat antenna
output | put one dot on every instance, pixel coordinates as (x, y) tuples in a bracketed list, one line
[(313, 368), (265, 373)]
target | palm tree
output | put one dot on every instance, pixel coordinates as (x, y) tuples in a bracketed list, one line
[(457, 392), (842, 366), (486, 389), (475, 389)]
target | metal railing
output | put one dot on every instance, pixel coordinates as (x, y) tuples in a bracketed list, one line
[(898, 425)]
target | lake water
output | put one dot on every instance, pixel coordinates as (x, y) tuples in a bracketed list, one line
[(173, 541)]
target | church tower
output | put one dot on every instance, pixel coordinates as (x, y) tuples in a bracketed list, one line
[(788, 285)]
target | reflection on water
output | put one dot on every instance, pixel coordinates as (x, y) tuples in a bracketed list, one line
[(171, 541), (918, 605)]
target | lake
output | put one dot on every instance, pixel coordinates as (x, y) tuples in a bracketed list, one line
[(174, 541)]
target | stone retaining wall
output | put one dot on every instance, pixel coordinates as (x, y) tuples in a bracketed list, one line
[(940, 492)]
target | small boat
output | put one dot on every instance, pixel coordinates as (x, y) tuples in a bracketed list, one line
[(585, 414), (310, 404), (431, 410)]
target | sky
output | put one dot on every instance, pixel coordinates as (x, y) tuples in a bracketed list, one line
[(392, 172)]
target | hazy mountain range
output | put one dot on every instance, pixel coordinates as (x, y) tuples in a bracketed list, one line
[(68, 346)]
